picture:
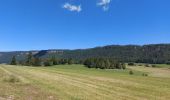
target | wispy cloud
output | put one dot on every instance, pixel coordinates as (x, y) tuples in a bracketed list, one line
[(71, 7), (104, 4)]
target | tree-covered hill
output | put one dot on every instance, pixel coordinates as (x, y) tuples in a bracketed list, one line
[(154, 53)]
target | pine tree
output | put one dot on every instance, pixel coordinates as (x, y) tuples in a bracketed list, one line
[(13, 61), (29, 59), (102, 66), (107, 63)]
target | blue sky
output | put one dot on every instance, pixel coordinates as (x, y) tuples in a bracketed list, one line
[(71, 24)]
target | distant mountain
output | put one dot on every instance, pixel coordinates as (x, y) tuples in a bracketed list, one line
[(5, 57), (153, 53)]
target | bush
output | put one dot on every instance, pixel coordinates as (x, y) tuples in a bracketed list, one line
[(147, 65), (123, 66), (131, 64), (154, 66), (48, 63), (131, 72), (144, 74), (140, 65)]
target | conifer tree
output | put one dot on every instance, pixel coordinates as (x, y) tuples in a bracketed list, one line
[(29, 59), (13, 61)]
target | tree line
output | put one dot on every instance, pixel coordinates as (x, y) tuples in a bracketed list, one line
[(153, 54), (36, 61), (102, 63)]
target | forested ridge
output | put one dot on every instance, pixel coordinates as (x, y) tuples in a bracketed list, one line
[(153, 53)]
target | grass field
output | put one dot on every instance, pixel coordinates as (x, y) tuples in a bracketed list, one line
[(75, 82)]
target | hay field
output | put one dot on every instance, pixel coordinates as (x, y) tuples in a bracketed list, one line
[(75, 82)]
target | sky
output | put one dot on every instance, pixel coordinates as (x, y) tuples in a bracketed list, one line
[(75, 24)]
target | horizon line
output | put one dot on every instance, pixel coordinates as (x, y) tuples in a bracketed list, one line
[(87, 47)]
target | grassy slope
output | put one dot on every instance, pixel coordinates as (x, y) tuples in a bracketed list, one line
[(76, 82)]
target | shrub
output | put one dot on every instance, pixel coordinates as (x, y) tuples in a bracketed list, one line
[(147, 65), (48, 63), (123, 66), (131, 64), (140, 65), (154, 66), (144, 74), (131, 72)]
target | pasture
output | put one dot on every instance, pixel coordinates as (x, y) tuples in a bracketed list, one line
[(76, 82)]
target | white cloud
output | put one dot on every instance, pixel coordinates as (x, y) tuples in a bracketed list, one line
[(104, 4), (71, 7)]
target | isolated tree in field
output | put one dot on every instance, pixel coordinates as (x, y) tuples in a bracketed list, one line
[(13, 61)]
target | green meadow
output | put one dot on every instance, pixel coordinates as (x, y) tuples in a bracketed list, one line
[(76, 82)]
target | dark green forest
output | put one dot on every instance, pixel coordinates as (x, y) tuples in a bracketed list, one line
[(101, 63), (154, 53)]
